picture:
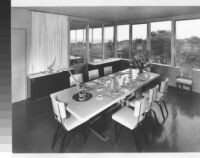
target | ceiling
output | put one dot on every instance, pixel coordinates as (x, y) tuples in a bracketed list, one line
[(121, 14)]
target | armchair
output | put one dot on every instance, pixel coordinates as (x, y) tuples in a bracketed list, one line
[(184, 78)]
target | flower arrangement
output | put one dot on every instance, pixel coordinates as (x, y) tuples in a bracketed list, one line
[(139, 63)]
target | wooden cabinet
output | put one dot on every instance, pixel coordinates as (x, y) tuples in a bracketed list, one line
[(43, 85)]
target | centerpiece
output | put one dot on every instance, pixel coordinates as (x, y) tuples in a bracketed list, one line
[(82, 95), (140, 63)]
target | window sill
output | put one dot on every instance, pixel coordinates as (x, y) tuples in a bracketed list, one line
[(104, 61), (162, 64), (159, 64)]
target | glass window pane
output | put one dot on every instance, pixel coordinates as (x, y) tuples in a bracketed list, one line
[(188, 43), (123, 41), (72, 36), (96, 50), (161, 42), (77, 46), (139, 37), (108, 42)]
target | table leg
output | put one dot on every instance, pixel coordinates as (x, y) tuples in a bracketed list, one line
[(98, 134)]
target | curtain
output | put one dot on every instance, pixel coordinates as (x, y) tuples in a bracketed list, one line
[(49, 42)]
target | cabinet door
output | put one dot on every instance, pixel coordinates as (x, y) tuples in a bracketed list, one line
[(58, 82), (35, 88), (45, 85)]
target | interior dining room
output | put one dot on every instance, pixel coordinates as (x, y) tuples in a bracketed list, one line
[(105, 79)]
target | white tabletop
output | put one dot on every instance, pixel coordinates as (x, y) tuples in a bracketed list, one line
[(88, 109)]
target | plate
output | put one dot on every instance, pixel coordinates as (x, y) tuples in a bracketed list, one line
[(100, 88), (99, 97)]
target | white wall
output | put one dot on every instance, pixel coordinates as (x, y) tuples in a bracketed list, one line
[(20, 48), (18, 68)]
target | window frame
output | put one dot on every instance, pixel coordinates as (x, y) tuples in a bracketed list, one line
[(113, 40), (84, 41), (129, 39), (173, 20), (191, 17), (132, 33), (171, 44)]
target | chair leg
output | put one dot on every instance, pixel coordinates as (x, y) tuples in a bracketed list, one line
[(181, 87), (63, 143), (145, 136), (165, 107), (152, 125), (161, 111), (55, 136), (155, 116), (86, 134), (117, 132), (190, 89), (136, 142)]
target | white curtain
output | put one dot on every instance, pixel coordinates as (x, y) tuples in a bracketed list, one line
[(49, 42)]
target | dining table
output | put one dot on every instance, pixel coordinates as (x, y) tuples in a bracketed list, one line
[(104, 92)]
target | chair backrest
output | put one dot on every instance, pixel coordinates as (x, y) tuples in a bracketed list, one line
[(140, 108), (151, 95), (58, 108), (137, 108), (78, 77), (93, 74), (107, 70), (156, 89), (186, 70), (164, 86)]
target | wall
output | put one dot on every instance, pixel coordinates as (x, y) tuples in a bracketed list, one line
[(21, 19), (18, 69), (20, 43)]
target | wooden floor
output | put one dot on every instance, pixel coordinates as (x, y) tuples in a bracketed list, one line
[(34, 127)]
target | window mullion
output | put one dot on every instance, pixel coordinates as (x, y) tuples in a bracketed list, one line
[(148, 39), (173, 37)]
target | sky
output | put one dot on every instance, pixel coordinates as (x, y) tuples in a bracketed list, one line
[(187, 28), (139, 31)]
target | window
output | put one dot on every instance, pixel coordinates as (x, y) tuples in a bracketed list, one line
[(139, 39), (123, 41), (188, 42), (77, 46), (108, 42), (95, 40), (161, 42)]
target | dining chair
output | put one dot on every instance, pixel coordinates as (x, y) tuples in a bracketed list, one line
[(93, 74), (184, 78), (107, 70), (147, 93), (78, 77), (149, 106), (151, 94), (129, 118), (160, 96), (66, 121)]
